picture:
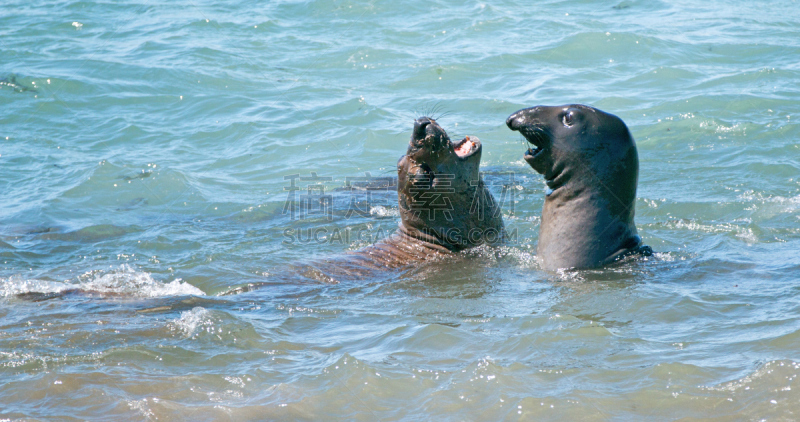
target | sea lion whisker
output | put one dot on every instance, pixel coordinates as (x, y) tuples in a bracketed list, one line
[(442, 114), (434, 109)]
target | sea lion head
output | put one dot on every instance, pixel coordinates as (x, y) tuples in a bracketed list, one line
[(441, 195), (580, 145)]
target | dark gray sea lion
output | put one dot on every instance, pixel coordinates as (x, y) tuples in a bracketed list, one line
[(591, 168)]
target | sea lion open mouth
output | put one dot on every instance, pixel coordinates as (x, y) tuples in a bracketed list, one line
[(538, 137), (537, 134), (466, 147), (430, 144)]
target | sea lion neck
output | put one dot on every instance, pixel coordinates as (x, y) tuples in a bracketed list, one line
[(570, 180), (423, 238)]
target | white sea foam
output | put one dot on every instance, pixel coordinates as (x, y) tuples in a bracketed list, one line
[(15, 285), (788, 204), (382, 211), (191, 320), (123, 281)]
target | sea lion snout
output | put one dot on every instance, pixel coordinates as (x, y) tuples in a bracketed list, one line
[(515, 120), (428, 135), (419, 127), (520, 118)]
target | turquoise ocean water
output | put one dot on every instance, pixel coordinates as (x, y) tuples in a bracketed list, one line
[(147, 151)]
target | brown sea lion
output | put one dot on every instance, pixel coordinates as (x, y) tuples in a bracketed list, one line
[(445, 207)]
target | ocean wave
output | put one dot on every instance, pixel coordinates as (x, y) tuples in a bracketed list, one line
[(121, 282)]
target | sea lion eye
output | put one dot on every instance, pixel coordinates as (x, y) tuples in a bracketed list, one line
[(567, 118)]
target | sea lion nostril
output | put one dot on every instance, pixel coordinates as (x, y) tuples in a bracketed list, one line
[(510, 121), (516, 120), (419, 127), (422, 121)]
